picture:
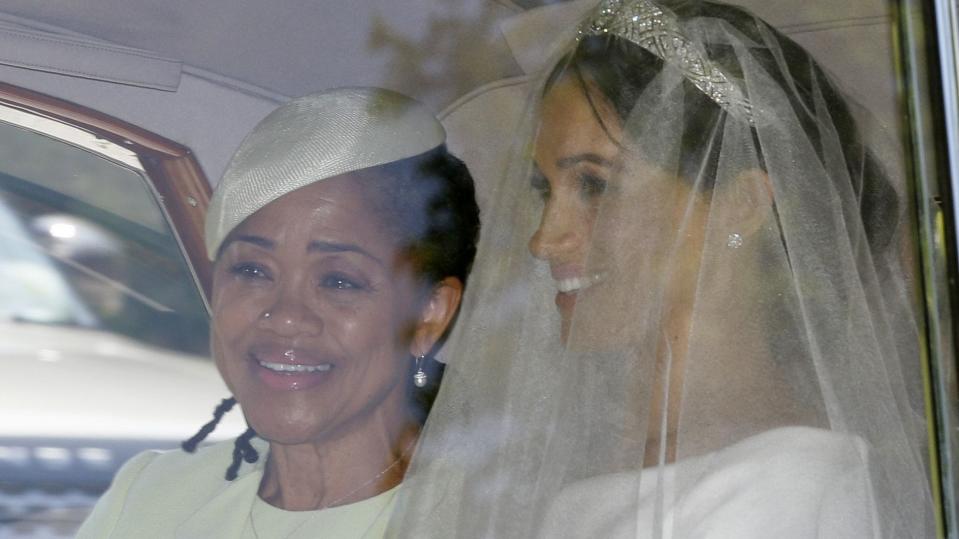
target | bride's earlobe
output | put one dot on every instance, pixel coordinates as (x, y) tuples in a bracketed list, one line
[(750, 200)]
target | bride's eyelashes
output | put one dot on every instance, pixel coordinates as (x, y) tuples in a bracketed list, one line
[(539, 184), (591, 185), (588, 185)]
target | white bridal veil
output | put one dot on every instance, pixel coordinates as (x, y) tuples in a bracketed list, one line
[(693, 308)]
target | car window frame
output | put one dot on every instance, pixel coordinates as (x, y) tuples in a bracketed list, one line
[(171, 170), (927, 41)]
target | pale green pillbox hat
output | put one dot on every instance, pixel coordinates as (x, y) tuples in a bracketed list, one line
[(313, 138)]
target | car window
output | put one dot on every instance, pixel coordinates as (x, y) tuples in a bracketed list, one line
[(88, 246), (103, 329)]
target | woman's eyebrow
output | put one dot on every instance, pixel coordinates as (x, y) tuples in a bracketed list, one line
[(259, 241), (336, 247), (593, 158)]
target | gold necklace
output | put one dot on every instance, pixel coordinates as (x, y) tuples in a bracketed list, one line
[(340, 499)]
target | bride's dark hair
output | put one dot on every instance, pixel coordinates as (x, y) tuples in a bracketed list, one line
[(613, 73)]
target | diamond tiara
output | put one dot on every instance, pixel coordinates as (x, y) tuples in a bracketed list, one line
[(657, 30)]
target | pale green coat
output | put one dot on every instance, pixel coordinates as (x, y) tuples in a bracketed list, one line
[(178, 495)]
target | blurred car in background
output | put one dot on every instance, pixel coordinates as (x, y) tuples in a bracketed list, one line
[(77, 403)]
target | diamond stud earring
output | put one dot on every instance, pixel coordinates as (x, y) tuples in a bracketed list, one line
[(734, 241)]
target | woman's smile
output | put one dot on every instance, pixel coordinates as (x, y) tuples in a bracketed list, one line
[(288, 368)]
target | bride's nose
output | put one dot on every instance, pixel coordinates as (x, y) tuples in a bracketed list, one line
[(561, 231)]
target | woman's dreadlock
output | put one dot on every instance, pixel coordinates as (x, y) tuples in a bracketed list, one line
[(243, 450)]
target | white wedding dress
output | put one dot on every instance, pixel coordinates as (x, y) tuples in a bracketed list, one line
[(791, 482)]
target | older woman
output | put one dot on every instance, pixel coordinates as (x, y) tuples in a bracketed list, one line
[(342, 235), (730, 350)]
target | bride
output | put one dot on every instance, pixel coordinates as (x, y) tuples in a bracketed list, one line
[(733, 350)]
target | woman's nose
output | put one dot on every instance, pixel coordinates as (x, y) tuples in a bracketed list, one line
[(560, 232), (290, 314)]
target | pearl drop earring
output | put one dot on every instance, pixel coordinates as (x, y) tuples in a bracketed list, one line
[(419, 378)]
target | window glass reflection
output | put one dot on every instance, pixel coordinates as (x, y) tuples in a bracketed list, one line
[(87, 246)]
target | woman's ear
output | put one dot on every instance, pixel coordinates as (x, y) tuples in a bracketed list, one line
[(751, 202), (436, 314)]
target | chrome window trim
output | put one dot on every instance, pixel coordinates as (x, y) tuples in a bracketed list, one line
[(926, 47), (71, 135), (947, 37), (947, 33)]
